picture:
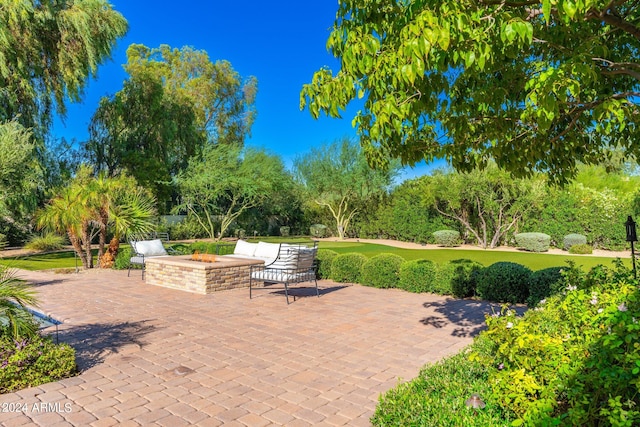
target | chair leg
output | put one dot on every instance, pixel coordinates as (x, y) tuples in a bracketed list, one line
[(129, 270), (317, 291), (250, 285), (143, 271), (286, 292)]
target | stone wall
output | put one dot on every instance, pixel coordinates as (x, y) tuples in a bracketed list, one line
[(180, 272)]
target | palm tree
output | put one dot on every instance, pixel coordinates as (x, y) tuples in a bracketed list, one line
[(15, 294), (89, 205)]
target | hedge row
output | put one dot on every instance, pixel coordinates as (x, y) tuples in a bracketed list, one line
[(504, 282)]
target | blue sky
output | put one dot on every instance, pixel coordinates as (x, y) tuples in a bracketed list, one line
[(281, 43)]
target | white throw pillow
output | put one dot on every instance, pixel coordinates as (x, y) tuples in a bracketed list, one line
[(267, 250), (245, 248), (150, 247)]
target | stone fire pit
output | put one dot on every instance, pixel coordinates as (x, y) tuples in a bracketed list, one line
[(181, 272)]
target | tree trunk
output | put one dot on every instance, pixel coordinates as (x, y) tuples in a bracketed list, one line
[(109, 257), (77, 246)]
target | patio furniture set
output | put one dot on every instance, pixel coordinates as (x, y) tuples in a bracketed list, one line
[(254, 265)]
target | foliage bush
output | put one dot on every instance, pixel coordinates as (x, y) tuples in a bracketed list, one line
[(447, 238), (285, 231), (533, 242), (347, 268), (418, 275), (319, 230), (3, 241), (457, 277), (189, 228), (574, 360), (464, 277), (382, 271), (29, 362), (324, 261), (573, 239), (581, 249), (504, 282), (46, 242), (122, 259), (544, 283), (437, 397)]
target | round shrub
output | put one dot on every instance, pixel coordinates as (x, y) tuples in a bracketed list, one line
[(543, 284), (347, 268), (382, 271), (418, 275), (285, 231), (581, 249), (456, 277), (318, 230), (122, 259), (464, 277), (533, 242), (573, 239), (324, 260), (446, 238), (504, 282)]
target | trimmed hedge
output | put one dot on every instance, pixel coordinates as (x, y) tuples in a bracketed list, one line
[(418, 275), (457, 277), (382, 271), (324, 261), (347, 268), (447, 238), (533, 242), (543, 284), (572, 240), (504, 282), (581, 249)]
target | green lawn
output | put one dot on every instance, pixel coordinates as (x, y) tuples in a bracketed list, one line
[(534, 261), (64, 259)]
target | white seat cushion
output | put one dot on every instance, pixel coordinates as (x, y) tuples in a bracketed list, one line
[(150, 248), (245, 248), (267, 250)]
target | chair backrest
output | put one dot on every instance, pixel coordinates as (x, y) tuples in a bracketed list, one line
[(149, 248)]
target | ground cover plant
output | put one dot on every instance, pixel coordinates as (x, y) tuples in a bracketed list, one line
[(574, 360), (27, 359)]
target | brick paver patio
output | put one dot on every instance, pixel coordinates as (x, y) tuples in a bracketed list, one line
[(156, 356)]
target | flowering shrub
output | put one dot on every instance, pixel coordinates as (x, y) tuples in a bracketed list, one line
[(574, 360), (28, 362)]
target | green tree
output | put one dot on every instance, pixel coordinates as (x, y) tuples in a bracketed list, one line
[(89, 205), (174, 102), (226, 182), (222, 102), (144, 132), (337, 177), (48, 49), (536, 85), (487, 203), (21, 178)]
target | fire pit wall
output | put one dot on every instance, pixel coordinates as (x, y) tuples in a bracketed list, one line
[(180, 272)]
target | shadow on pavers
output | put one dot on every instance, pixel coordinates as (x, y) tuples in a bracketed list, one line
[(94, 342), (466, 315)]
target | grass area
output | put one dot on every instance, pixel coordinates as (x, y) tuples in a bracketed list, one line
[(534, 261), (64, 259)]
